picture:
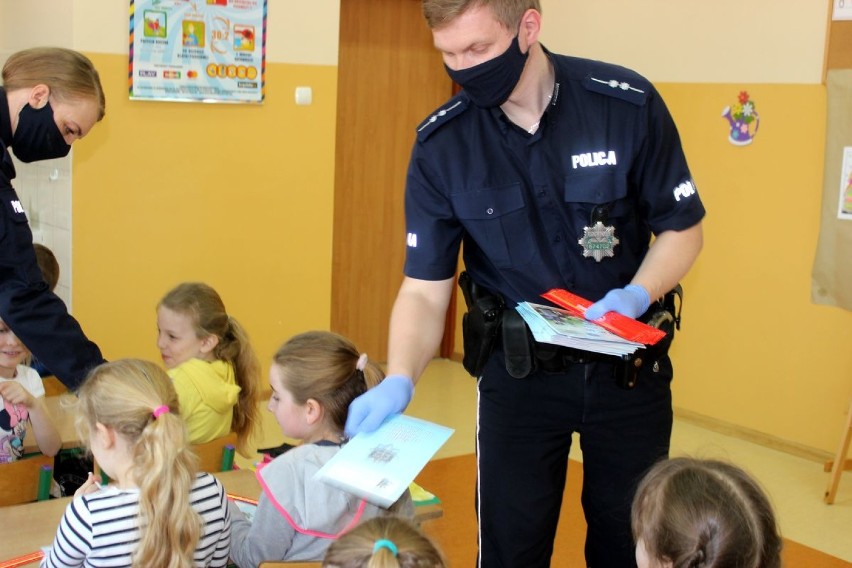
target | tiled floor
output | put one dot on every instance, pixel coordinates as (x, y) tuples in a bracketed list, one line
[(447, 394)]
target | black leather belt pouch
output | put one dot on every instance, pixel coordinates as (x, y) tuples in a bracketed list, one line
[(517, 345)]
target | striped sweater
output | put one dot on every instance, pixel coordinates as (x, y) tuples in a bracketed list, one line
[(100, 529)]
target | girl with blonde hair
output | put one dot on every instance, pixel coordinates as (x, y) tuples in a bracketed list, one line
[(22, 405), (157, 510), (384, 542), (209, 358)]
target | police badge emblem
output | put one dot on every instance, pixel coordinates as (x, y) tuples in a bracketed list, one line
[(598, 241)]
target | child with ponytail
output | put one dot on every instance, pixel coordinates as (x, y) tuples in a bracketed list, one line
[(208, 356), (314, 377), (157, 510), (384, 542), (693, 513)]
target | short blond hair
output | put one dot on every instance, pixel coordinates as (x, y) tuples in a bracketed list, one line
[(69, 74), (439, 13)]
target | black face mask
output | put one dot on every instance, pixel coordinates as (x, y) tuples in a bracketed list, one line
[(37, 137), (490, 83)]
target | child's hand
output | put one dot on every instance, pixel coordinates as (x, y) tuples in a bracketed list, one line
[(90, 486), (13, 392)]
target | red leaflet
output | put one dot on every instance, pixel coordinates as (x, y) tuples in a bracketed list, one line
[(621, 325)]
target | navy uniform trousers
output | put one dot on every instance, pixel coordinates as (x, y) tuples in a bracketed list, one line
[(523, 439)]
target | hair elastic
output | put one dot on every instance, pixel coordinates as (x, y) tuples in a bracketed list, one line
[(160, 410), (362, 363), (385, 543)]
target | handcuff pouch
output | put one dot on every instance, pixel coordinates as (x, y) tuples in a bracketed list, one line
[(517, 345)]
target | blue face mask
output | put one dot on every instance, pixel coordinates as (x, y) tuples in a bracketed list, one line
[(490, 83), (37, 137)]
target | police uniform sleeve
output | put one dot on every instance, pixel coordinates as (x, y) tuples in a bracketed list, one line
[(667, 191), (38, 317), (433, 233), (42, 323)]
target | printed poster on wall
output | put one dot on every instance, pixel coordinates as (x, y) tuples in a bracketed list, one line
[(844, 205), (198, 50)]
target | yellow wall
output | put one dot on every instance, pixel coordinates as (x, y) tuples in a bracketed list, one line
[(239, 196), (754, 350)]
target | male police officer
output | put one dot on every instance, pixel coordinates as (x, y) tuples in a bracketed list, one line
[(555, 172)]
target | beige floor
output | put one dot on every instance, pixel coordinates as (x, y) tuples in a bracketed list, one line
[(447, 395)]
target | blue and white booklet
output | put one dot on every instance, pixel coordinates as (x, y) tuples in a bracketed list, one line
[(379, 466), (560, 327)]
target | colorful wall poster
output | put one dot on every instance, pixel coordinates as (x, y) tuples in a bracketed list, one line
[(198, 50)]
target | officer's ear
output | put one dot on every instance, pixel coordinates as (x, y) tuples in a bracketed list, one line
[(529, 29), (39, 95)]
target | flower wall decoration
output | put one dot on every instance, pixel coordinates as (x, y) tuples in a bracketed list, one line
[(743, 120)]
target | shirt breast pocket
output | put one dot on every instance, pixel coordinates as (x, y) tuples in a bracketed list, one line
[(497, 220), (604, 195)]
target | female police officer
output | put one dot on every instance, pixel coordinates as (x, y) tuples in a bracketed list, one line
[(50, 98), (555, 171)]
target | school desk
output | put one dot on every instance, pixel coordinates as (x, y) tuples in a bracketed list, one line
[(63, 419), (28, 528)]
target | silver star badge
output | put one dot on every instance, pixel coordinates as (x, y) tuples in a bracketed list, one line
[(598, 241)]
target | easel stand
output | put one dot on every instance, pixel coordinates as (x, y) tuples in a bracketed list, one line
[(840, 462)]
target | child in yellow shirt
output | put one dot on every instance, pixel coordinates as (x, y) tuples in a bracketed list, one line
[(208, 356)]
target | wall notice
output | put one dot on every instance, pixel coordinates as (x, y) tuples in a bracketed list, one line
[(198, 50)]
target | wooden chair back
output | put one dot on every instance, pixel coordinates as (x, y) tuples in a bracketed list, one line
[(216, 455), (26, 480), (53, 387)]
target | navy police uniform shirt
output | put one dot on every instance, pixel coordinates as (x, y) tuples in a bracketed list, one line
[(520, 201), (35, 314)]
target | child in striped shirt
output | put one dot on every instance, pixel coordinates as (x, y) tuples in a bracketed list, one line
[(158, 510)]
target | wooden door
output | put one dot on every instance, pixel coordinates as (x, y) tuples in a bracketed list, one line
[(390, 77)]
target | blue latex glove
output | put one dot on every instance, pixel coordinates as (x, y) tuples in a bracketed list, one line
[(368, 411), (631, 301)]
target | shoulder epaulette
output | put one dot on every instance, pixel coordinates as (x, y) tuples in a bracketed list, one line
[(629, 88), (440, 116)]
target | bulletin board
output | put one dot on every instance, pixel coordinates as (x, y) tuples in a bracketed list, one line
[(832, 271)]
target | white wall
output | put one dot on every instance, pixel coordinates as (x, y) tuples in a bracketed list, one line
[(303, 32), (695, 41)]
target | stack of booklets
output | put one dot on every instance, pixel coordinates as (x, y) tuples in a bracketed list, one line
[(379, 466), (613, 334)]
